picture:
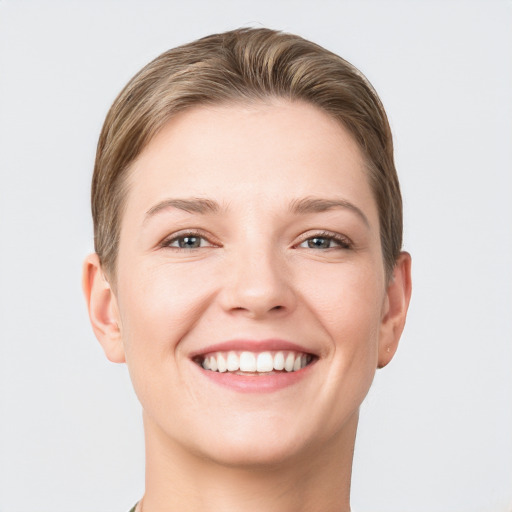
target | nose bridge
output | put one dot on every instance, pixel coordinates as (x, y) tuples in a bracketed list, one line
[(257, 280)]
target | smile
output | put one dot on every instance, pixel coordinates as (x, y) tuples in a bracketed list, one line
[(255, 366), (254, 363)]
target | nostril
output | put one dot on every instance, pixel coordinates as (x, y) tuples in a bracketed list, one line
[(277, 307)]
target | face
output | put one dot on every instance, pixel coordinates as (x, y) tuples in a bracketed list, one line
[(251, 295)]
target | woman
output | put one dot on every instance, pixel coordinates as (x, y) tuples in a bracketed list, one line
[(248, 268)]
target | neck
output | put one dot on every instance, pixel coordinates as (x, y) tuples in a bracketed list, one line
[(316, 480)]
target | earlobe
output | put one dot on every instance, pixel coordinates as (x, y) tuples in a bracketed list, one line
[(103, 311), (398, 295)]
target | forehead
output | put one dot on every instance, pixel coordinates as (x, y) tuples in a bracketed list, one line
[(271, 151)]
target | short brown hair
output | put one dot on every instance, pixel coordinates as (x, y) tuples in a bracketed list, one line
[(241, 65)]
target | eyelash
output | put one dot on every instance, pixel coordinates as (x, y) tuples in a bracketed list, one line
[(167, 243), (341, 242)]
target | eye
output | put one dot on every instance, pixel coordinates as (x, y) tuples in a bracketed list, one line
[(326, 241), (187, 241)]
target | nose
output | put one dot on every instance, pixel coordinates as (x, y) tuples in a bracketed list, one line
[(258, 284)]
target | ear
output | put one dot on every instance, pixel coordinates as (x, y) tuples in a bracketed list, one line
[(103, 310), (394, 312)]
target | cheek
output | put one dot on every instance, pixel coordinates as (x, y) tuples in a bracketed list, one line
[(349, 307), (347, 297), (158, 305)]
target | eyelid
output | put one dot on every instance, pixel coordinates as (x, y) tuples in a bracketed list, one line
[(168, 240), (344, 242)]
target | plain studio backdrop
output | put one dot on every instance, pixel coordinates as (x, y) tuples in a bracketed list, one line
[(436, 429)]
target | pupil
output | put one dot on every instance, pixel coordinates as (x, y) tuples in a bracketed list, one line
[(189, 242), (322, 243)]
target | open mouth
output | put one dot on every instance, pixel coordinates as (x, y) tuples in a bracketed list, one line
[(254, 363)]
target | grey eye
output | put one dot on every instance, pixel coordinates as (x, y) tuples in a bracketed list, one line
[(325, 242), (319, 243), (188, 242)]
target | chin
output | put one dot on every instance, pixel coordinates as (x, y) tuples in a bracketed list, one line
[(254, 454), (270, 441)]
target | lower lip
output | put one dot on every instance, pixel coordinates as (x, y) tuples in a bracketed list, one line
[(257, 383)]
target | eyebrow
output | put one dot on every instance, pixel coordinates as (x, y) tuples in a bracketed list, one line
[(193, 205), (316, 205), (298, 206)]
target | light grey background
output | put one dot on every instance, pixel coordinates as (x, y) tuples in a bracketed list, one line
[(436, 429)]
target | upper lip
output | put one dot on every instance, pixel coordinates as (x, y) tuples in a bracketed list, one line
[(273, 344)]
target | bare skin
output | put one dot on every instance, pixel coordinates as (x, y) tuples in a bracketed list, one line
[(249, 228), (299, 485)]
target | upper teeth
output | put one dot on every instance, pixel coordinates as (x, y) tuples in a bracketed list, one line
[(255, 362)]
